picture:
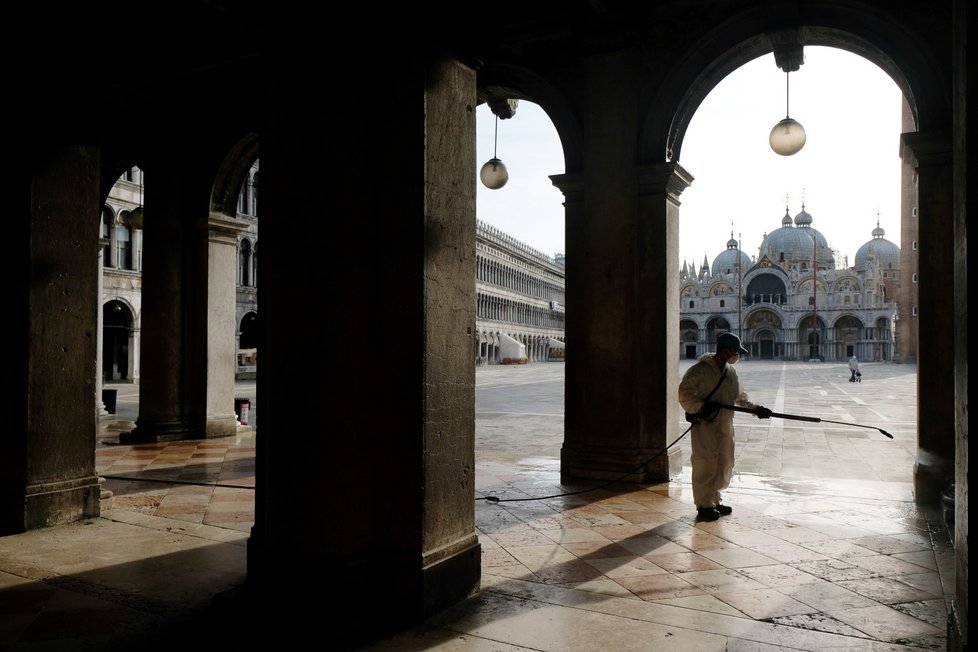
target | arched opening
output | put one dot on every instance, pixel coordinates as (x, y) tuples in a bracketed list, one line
[(117, 325), (726, 150)]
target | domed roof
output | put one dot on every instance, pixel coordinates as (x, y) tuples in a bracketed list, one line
[(803, 218), (826, 259), (884, 251), (788, 242), (726, 262)]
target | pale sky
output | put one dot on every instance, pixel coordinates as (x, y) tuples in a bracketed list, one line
[(847, 174)]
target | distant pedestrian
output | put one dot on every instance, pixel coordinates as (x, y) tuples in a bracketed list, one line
[(854, 375)]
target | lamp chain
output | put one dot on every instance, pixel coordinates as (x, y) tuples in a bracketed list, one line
[(495, 138), (787, 96)]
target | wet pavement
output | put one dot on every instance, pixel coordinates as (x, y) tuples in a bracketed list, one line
[(825, 548)]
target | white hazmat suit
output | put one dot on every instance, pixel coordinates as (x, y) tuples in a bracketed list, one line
[(712, 439)]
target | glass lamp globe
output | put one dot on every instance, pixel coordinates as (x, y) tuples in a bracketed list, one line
[(136, 218), (493, 174), (787, 137)]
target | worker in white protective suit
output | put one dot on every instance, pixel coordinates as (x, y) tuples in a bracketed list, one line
[(709, 383)]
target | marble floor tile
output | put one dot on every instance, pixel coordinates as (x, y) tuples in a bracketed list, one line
[(717, 581), (834, 570), (927, 582), (779, 575), (651, 546), (886, 590), (631, 566), (658, 587), (788, 553), (681, 562), (887, 565), (764, 604), (705, 602), (737, 557), (884, 623), (828, 597), (604, 586), (573, 535)]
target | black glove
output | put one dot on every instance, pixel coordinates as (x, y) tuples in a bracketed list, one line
[(762, 412)]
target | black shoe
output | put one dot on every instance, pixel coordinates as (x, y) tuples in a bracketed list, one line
[(707, 514), (725, 510)]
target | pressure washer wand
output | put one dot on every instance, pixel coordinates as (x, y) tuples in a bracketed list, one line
[(798, 417)]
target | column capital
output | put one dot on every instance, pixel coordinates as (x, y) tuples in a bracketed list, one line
[(571, 184), (220, 228), (669, 178), (935, 147)]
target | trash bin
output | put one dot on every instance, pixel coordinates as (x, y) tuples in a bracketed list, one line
[(241, 408), (108, 399)]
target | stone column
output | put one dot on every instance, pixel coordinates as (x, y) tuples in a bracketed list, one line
[(167, 400), (934, 470), (613, 426), (606, 432), (47, 465), (391, 253), (657, 311), (222, 263), (135, 342), (99, 326)]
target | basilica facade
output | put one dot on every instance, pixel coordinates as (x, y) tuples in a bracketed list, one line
[(794, 301)]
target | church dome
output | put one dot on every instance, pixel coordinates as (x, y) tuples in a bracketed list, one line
[(726, 262), (826, 259), (884, 251), (803, 218), (788, 243)]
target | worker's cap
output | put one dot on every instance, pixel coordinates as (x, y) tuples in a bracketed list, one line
[(730, 341)]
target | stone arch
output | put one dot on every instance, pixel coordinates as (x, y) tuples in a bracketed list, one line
[(232, 173), (880, 38), (510, 81), (766, 343), (119, 320), (715, 326)]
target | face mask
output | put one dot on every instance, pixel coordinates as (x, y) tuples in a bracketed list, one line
[(734, 358)]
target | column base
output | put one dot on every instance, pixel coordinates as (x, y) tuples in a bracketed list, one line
[(57, 503), (223, 426), (152, 432), (931, 481), (383, 593), (642, 466)]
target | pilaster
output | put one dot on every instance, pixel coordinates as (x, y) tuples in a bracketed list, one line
[(600, 441), (222, 262), (934, 470)]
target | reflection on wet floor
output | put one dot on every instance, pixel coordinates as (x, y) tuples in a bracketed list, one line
[(825, 548)]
